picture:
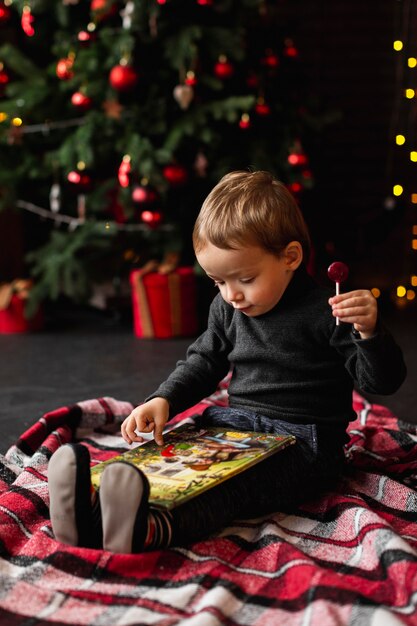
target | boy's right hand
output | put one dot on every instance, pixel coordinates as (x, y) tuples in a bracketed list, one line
[(147, 417)]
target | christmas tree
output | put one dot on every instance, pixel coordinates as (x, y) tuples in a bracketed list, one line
[(117, 118)]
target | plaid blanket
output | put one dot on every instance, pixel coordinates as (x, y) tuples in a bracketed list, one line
[(348, 558)]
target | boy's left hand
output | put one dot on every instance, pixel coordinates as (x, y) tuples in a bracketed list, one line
[(358, 308)]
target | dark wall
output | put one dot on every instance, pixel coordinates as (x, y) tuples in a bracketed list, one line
[(353, 72)]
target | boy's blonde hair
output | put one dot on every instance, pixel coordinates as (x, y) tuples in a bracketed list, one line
[(250, 208)]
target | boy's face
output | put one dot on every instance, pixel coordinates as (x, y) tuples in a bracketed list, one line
[(249, 278)]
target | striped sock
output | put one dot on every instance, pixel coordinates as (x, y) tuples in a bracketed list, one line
[(159, 533)]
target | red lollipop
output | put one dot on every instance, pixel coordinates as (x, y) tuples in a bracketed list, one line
[(338, 272)]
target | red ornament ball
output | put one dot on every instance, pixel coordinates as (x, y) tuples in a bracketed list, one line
[(64, 69), (79, 180), (223, 68), (81, 101), (244, 121), (103, 9), (175, 174), (4, 78), (143, 195), (270, 60), (123, 77), (297, 158), (85, 37), (151, 218), (5, 13), (262, 108)]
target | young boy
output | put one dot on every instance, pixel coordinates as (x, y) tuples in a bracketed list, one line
[(293, 371)]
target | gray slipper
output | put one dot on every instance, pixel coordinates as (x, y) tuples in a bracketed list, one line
[(73, 519), (124, 493)]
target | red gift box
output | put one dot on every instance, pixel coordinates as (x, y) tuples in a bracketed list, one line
[(164, 305), (13, 298)]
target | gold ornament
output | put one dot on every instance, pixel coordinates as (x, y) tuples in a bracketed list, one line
[(184, 95)]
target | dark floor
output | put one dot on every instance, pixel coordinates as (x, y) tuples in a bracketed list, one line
[(95, 356)]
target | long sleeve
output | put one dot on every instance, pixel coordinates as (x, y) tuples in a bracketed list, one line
[(375, 364), (206, 363)]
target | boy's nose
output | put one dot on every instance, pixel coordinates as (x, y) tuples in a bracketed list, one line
[(234, 295)]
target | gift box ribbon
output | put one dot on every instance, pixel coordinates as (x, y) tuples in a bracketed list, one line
[(21, 287)]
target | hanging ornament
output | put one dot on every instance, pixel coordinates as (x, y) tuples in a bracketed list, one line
[(126, 14), (190, 79), (295, 187), (79, 180), (151, 218), (86, 36), (270, 59), (112, 108), (55, 198), (201, 164), (27, 21), (223, 68), (205, 3), (64, 68), (102, 9), (125, 168), (4, 79), (5, 13), (143, 194), (297, 158), (184, 95), (290, 50), (81, 101), (244, 121), (123, 77), (175, 174), (262, 108)]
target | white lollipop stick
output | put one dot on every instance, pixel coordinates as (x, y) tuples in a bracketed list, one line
[(337, 293)]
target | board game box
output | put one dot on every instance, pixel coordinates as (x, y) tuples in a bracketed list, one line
[(193, 460)]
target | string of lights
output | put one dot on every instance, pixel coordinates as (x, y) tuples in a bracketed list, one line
[(403, 149), (75, 222)]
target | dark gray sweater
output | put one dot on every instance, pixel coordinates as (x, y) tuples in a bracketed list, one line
[(292, 363)]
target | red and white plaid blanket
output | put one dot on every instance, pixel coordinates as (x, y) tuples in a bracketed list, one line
[(348, 558)]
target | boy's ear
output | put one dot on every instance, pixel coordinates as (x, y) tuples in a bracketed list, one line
[(293, 255)]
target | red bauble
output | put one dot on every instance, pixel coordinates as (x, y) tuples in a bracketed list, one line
[(152, 218), (4, 13), (175, 174), (295, 187), (143, 195), (262, 108), (270, 60), (64, 69), (85, 37), (79, 180), (223, 68), (124, 171), (123, 77), (4, 78), (81, 101), (103, 9), (244, 121), (297, 158)]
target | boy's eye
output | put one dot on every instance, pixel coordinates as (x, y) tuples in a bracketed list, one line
[(246, 281), (217, 283)]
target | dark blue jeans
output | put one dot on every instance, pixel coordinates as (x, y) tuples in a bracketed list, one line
[(281, 482)]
